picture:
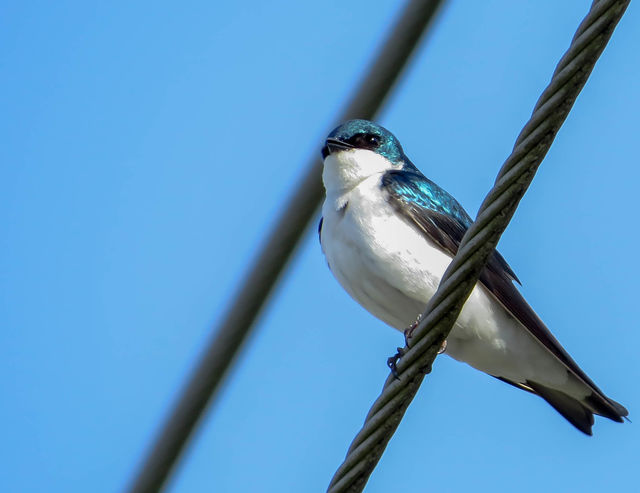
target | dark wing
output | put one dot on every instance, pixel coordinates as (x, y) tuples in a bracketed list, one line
[(439, 215), (443, 220)]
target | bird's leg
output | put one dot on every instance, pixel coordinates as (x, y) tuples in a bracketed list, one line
[(408, 332), (393, 361)]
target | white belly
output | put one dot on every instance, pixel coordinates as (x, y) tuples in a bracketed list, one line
[(392, 270)]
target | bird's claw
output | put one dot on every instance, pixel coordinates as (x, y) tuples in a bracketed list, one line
[(393, 361), (443, 347), (408, 332)]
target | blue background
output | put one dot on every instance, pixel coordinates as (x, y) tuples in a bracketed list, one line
[(146, 148)]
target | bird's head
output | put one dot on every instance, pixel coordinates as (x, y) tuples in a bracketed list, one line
[(356, 150)]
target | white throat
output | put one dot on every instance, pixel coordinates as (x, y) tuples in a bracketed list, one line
[(345, 170)]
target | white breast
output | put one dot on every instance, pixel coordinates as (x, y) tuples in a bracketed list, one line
[(380, 260), (392, 270)]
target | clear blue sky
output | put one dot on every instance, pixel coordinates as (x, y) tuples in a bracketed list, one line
[(147, 146)]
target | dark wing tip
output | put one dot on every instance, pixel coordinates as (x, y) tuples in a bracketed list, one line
[(620, 408), (499, 264), (606, 407)]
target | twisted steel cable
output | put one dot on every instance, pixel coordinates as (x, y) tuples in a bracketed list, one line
[(478, 243)]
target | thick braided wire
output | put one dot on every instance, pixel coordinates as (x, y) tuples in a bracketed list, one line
[(478, 243)]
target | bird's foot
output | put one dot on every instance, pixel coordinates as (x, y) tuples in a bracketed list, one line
[(443, 347), (408, 332), (393, 361)]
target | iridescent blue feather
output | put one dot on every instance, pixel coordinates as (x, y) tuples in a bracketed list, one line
[(435, 212), (416, 188)]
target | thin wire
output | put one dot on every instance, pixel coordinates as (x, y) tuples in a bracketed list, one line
[(272, 258), (478, 243)]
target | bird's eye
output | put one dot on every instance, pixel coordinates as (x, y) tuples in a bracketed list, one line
[(367, 141)]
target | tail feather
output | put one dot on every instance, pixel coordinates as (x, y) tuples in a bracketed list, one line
[(578, 412), (573, 410)]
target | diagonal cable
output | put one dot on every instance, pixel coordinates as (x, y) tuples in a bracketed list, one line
[(478, 243), (276, 251)]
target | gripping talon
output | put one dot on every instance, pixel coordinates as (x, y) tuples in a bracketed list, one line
[(408, 332), (443, 347), (393, 361)]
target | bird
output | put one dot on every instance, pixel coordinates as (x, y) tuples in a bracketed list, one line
[(388, 233)]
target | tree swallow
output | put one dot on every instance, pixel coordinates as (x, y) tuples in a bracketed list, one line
[(389, 233)]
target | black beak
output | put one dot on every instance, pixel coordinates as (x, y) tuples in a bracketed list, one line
[(333, 145)]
